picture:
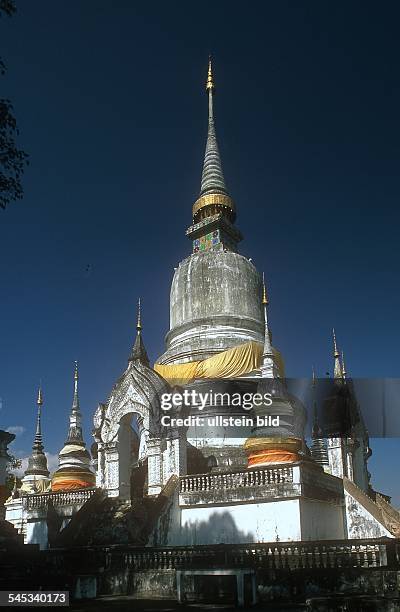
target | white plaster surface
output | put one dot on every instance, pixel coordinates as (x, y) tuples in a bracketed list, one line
[(321, 520), (241, 523)]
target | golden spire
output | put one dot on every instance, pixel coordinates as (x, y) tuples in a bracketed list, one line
[(210, 82), (139, 318), (39, 400), (264, 296)]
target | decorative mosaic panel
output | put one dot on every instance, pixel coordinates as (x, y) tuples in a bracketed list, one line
[(206, 242)]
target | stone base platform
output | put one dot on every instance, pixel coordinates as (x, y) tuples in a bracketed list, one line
[(282, 502)]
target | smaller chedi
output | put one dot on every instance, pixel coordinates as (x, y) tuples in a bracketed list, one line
[(287, 444), (74, 471), (37, 476)]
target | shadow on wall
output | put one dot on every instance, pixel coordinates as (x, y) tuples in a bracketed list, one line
[(220, 528), (37, 533)]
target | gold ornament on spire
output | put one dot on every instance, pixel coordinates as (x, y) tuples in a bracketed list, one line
[(210, 81), (264, 296), (39, 400), (139, 318)]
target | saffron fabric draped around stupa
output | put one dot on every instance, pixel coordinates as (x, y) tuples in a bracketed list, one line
[(71, 479), (231, 363), (271, 456)]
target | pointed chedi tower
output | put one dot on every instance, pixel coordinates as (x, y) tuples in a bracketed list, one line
[(280, 442), (74, 471), (215, 300), (138, 349), (269, 368), (36, 478), (214, 211), (337, 368)]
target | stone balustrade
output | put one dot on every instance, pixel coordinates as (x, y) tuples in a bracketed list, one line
[(75, 497), (328, 554), (236, 479), (239, 486), (287, 555), (284, 571), (265, 483)]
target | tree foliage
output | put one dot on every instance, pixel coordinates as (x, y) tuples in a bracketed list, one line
[(7, 7), (14, 464), (12, 159)]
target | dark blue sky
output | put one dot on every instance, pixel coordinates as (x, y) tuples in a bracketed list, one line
[(111, 107)]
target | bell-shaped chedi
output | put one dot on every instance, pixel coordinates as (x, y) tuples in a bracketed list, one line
[(75, 470), (37, 477)]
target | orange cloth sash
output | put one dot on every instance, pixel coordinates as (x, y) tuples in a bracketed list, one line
[(271, 456), (68, 485)]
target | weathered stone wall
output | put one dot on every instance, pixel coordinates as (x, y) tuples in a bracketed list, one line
[(283, 572), (321, 520)]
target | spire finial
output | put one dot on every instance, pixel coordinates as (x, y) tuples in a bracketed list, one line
[(268, 367), (212, 180), (75, 426), (314, 382), (210, 81), (337, 370), (37, 444), (139, 317), (37, 462), (264, 296), (138, 350), (213, 195), (75, 401), (335, 349), (344, 372)]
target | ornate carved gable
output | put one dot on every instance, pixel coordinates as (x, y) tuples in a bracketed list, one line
[(137, 391)]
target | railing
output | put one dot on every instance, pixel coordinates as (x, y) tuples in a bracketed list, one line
[(313, 555), (267, 556), (235, 480), (332, 554), (59, 498)]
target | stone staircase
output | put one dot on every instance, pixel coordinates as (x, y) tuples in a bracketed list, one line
[(106, 520), (390, 515), (379, 508)]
